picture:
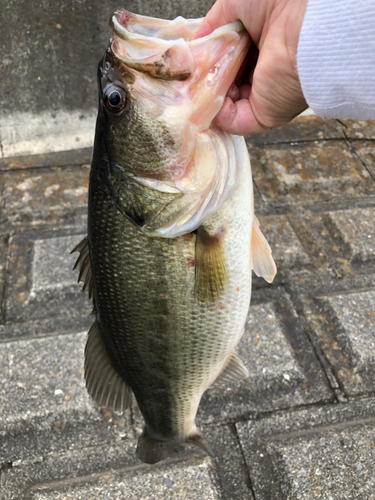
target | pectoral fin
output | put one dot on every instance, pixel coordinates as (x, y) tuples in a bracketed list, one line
[(262, 261), (210, 266), (103, 382)]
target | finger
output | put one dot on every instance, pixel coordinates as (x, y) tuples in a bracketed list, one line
[(221, 13), (238, 118)]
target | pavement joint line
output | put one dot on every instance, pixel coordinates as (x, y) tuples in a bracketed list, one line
[(192, 457), (351, 145), (326, 367), (249, 483), (296, 226), (303, 141), (263, 415), (57, 333), (347, 424), (3, 306), (331, 379), (268, 209), (365, 166)]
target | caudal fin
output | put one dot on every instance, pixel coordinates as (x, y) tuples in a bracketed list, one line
[(151, 450)]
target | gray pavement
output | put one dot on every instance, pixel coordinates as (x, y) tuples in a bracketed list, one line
[(301, 427)]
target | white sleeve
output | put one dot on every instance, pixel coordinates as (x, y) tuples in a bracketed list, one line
[(336, 58)]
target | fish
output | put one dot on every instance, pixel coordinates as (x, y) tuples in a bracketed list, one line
[(172, 237)]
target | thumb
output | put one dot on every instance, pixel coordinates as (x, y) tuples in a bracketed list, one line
[(217, 16)]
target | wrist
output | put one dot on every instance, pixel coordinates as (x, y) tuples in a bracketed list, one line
[(293, 13)]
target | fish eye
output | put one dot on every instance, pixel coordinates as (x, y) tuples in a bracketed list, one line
[(115, 100)]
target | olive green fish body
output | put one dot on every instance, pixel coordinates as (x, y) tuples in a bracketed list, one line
[(167, 344), (172, 236)]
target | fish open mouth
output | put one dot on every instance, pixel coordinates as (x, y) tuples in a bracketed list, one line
[(167, 49)]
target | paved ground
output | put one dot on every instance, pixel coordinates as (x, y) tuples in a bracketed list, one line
[(301, 427)]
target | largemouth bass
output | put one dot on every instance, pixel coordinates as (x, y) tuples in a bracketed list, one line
[(172, 236)]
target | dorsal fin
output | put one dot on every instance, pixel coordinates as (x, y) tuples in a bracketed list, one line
[(103, 382), (262, 261), (84, 266), (234, 371)]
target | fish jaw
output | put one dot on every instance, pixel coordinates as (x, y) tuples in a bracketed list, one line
[(201, 71)]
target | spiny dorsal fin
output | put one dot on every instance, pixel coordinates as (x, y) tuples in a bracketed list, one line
[(84, 266), (234, 371), (210, 266), (103, 382), (262, 261)]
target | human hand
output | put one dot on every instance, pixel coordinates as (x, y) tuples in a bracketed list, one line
[(267, 91)]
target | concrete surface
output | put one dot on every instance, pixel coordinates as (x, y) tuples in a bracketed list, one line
[(50, 51), (301, 427)]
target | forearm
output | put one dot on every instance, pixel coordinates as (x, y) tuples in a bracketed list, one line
[(336, 58)]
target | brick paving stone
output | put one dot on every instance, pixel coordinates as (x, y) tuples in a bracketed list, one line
[(232, 477), (38, 196), (17, 478), (67, 322), (42, 283), (315, 195), (284, 371), (344, 328), (51, 431), (181, 481), (81, 468), (301, 129), (43, 400), (309, 473), (357, 229), (287, 249), (326, 453), (366, 153), (60, 158), (359, 129), (308, 173)]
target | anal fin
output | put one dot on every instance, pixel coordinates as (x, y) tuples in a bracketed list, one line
[(103, 382), (234, 371), (262, 261)]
